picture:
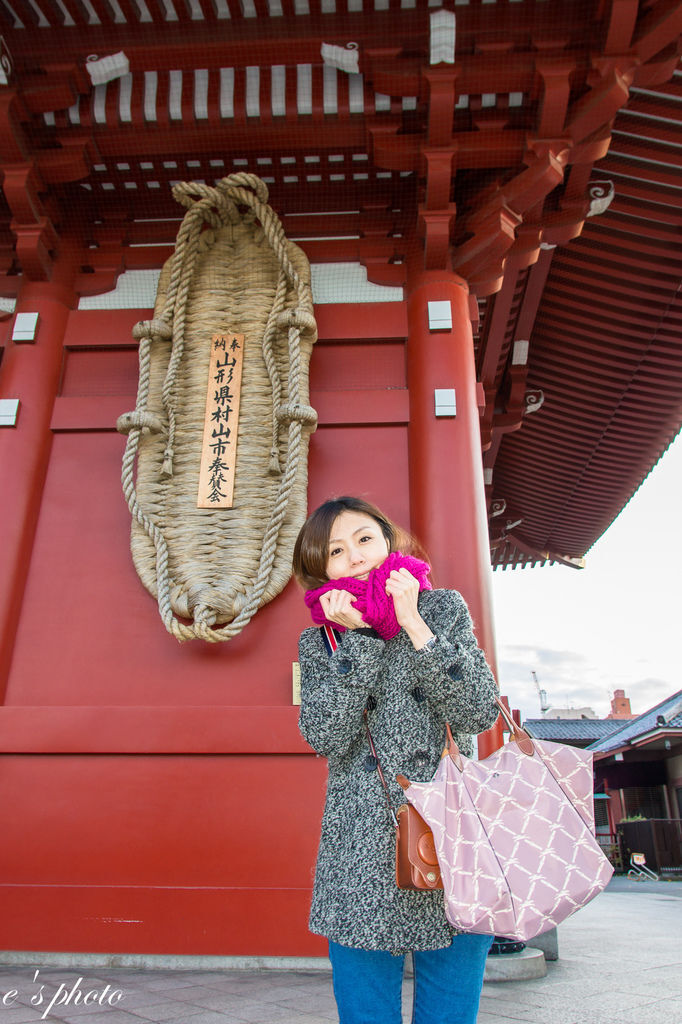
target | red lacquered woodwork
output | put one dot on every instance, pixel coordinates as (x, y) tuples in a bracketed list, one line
[(30, 373), (446, 473), (162, 798), (447, 496), (173, 854)]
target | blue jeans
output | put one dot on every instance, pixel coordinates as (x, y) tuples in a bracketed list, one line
[(447, 983)]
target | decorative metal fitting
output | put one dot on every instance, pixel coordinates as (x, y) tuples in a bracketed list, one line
[(534, 400), (600, 194)]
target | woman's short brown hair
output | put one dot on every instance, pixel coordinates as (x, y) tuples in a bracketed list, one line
[(311, 551)]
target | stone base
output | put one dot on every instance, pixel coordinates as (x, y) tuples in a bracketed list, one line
[(523, 966), (548, 942), (530, 963), (163, 962)]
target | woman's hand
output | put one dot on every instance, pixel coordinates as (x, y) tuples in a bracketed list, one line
[(404, 589), (337, 606)]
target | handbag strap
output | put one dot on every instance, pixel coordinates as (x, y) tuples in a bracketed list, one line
[(331, 642), (519, 735), (394, 818)]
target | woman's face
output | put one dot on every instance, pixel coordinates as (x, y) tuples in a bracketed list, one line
[(356, 546)]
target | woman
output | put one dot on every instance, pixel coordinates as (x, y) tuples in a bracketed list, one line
[(407, 654)]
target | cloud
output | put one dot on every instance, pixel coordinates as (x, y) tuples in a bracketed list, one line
[(529, 656), (648, 692), (572, 679), (566, 676), (614, 625), (517, 662)]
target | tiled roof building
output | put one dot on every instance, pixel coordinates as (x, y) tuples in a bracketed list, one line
[(578, 732)]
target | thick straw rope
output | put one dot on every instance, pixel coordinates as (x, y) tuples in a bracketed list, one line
[(289, 316)]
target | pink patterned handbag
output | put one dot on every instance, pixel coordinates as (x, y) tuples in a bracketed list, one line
[(514, 834)]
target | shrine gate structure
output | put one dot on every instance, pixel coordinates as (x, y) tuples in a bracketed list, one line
[(511, 169)]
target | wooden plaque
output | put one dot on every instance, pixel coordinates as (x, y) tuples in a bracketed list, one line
[(219, 448)]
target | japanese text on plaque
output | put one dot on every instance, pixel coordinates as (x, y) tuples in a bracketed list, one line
[(219, 449)]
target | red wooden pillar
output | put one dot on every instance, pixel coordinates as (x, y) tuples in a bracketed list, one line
[(30, 372), (447, 496)]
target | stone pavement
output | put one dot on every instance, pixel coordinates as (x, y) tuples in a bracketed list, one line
[(620, 962)]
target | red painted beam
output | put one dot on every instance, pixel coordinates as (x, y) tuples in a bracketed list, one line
[(643, 149), (493, 148), (630, 268), (629, 182), (641, 169), (150, 730), (643, 214), (659, 27), (659, 104), (612, 307), (95, 328), (262, 41), (106, 267), (216, 43), (623, 19), (629, 126), (334, 408), (587, 265), (496, 325), (197, 138), (624, 220)]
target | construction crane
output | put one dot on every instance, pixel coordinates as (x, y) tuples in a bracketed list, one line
[(544, 705)]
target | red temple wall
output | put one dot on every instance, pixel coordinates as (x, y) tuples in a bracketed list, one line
[(159, 797)]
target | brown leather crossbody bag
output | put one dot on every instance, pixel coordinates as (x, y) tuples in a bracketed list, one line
[(416, 863)]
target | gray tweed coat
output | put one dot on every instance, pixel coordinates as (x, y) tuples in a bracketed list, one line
[(409, 698)]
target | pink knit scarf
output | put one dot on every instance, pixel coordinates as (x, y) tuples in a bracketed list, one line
[(372, 601)]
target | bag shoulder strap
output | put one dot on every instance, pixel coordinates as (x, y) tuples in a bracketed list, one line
[(330, 638), (331, 642)]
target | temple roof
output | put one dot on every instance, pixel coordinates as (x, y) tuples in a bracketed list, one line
[(538, 153), (576, 731)]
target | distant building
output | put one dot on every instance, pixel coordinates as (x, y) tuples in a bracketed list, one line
[(576, 732), (638, 766), (580, 727), (620, 709), (620, 706), (570, 713)]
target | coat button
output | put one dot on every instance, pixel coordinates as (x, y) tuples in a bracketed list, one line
[(371, 702), (421, 758), (370, 763), (455, 674), (344, 666), (418, 694)]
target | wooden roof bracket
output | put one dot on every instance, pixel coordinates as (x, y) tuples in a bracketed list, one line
[(546, 555), (27, 172)]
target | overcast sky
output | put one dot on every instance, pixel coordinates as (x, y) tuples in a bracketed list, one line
[(616, 624)]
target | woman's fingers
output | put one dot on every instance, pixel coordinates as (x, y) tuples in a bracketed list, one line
[(404, 589), (401, 581), (337, 606), (337, 600)]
